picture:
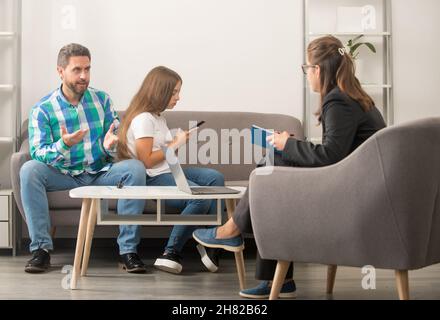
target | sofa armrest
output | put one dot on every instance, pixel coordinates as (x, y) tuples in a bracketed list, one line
[(332, 215), (17, 161)]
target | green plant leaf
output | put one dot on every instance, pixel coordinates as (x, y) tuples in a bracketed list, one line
[(357, 38), (372, 48), (355, 47)]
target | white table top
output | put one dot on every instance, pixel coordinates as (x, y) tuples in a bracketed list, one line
[(129, 192)]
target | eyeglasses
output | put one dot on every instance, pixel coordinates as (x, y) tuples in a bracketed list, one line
[(306, 67)]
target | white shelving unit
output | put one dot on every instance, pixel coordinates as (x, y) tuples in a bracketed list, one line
[(8, 229), (10, 79), (320, 19), (6, 139), (7, 87), (351, 34), (10, 110)]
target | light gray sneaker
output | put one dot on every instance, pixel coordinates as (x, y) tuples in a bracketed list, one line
[(169, 262), (209, 257)]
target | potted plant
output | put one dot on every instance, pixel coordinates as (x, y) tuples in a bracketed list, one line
[(353, 46)]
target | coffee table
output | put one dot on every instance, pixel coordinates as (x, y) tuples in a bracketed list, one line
[(94, 211)]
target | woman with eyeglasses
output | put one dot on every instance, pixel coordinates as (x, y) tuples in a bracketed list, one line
[(348, 116)]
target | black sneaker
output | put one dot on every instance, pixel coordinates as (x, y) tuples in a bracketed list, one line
[(39, 263), (132, 263), (169, 262), (209, 257)]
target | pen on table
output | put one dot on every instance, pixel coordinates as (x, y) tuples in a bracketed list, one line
[(120, 184)]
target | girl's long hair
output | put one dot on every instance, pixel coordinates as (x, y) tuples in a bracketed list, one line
[(337, 70), (153, 96)]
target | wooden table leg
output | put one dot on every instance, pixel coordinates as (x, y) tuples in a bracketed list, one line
[(80, 242), (239, 259), (89, 235)]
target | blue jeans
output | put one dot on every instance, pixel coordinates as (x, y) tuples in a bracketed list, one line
[(196, 177), (37, 178)]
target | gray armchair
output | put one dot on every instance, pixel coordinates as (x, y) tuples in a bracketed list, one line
[(380, 206)]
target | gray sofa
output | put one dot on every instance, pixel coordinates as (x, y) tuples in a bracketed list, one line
[(380, 206), (65, 211)]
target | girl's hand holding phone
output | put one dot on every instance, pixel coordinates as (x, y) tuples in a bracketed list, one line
[(182, 136), (180, 139)]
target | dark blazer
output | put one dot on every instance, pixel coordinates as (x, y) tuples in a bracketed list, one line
[(345, 126)]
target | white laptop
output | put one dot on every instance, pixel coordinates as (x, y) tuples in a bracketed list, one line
[(182, 182)]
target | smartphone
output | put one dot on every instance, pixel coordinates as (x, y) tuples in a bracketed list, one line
[(197, 125)]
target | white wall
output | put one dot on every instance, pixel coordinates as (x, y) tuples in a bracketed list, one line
[(232, 55), (416, 55)]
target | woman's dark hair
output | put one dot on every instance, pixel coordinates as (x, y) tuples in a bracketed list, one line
[(336, 70)]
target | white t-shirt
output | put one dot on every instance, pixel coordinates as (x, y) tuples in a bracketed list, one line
[(146, 125)]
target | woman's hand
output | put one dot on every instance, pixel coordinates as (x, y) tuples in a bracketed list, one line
[(279, 140)]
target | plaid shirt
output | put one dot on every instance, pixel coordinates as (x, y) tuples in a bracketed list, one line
[(94, 112)]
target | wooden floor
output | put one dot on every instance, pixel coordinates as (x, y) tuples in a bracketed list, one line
[(106, 281)]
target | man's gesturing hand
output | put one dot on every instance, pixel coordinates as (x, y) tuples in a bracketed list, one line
[(110, 138), (70, 139)]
